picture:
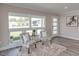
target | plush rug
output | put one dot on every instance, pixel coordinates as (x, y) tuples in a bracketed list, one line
[(44, 50)]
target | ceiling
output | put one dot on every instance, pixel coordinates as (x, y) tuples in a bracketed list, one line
[(53, 8)]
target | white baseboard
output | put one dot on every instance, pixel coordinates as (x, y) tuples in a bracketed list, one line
[(74, 38)]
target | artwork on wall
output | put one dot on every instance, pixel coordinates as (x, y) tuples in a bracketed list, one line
[(72, 21)]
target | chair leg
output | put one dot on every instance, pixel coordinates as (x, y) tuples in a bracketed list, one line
[(28, 50), (19, 51)]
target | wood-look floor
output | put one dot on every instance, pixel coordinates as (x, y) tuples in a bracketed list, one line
[(71, 45)]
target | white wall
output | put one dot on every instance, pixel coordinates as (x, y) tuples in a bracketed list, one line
[(4, 31), (69, 32), (4, 36)]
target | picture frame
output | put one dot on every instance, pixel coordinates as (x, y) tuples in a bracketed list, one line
[(72, 21)]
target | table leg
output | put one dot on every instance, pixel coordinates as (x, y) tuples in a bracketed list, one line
[(35, 46), (42, 43), (20, 48), (50, 41), (28, 50)]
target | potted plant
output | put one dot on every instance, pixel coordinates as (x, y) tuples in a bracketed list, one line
[(33, 32)]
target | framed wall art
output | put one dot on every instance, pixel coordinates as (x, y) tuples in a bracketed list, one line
[(72, 21)]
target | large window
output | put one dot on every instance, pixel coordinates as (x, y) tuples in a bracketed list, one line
[(19, 24)]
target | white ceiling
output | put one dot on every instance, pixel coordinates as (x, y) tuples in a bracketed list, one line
[(54, 8)]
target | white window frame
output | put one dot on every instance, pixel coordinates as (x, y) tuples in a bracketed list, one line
[(26, 29)]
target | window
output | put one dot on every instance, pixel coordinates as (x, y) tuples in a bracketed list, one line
[(19, 23), (39, 30), (55, 25), (55, 20), (15, 35), (36, 22), (55, 32), (54, 28), (29, 31)]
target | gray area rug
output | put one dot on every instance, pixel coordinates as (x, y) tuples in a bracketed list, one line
[(44, 50)]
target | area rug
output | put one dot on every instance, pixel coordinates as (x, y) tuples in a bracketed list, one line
[(44, 50)]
